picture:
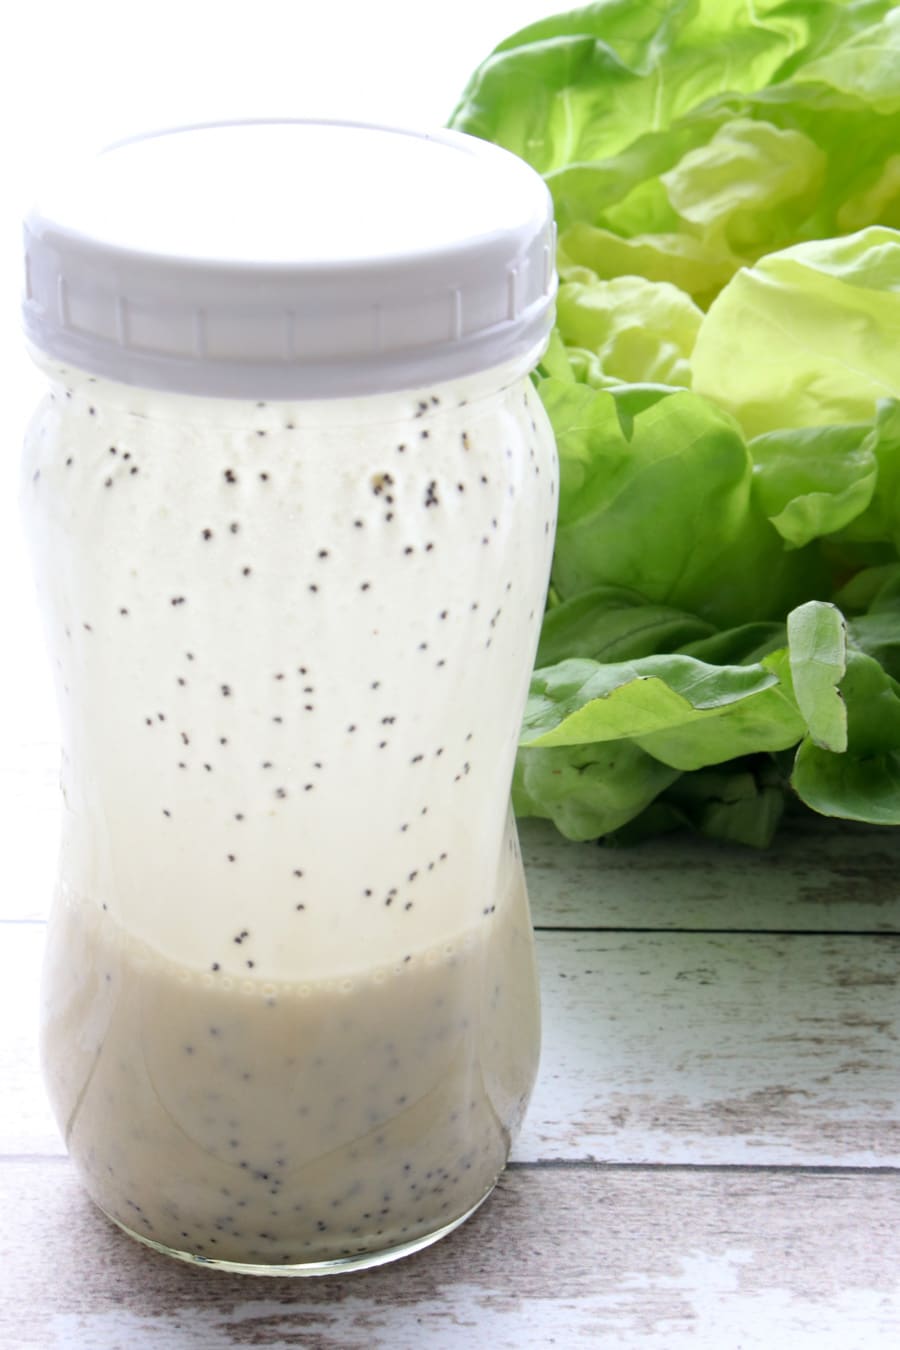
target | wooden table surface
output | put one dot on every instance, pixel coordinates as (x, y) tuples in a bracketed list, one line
[(711, 1158)]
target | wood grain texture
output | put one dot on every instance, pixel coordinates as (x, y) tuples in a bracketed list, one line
[(658, 1047), (692, 1048), (819, 876), (581, 1257)]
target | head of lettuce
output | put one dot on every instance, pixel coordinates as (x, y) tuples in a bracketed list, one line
[(723, 627)]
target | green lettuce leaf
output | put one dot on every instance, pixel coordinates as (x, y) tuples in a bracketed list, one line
[(610, 623), (767, 721), (581, 86), (870, 588), (724, 387), (864, 782), (881, 518), (620, 105), (853, 787), (749, 189), (743, 645), (789, 342), (591, 252), (878, 635), (655, 496), (812, 481), (580, 701), (588, 790), (618, 215), (641, 331), (742, 805), (865, 66), (817, 646)]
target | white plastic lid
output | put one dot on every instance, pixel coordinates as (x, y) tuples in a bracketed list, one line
[(283, 259)]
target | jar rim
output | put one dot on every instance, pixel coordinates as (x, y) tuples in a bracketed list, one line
[(425, 300)]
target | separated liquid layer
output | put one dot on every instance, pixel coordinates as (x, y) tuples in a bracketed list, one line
[(272, 1125)]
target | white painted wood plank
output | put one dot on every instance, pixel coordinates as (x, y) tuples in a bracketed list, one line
[(718, 1049), (819, 876), (585, 1257), (658, 1047)]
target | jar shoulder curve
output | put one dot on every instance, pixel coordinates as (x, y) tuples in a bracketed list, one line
[(73, 387)]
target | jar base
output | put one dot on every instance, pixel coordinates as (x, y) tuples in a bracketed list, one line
[(364, 1261)]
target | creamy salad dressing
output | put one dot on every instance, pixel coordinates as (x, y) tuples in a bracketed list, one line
[(288, 640), (269, 1124)]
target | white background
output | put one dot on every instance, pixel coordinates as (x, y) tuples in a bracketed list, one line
[(81, 73)]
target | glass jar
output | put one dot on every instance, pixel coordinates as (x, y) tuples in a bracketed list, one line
[(290, 1011)]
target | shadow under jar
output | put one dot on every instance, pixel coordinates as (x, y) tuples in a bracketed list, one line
[(291, 499)]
